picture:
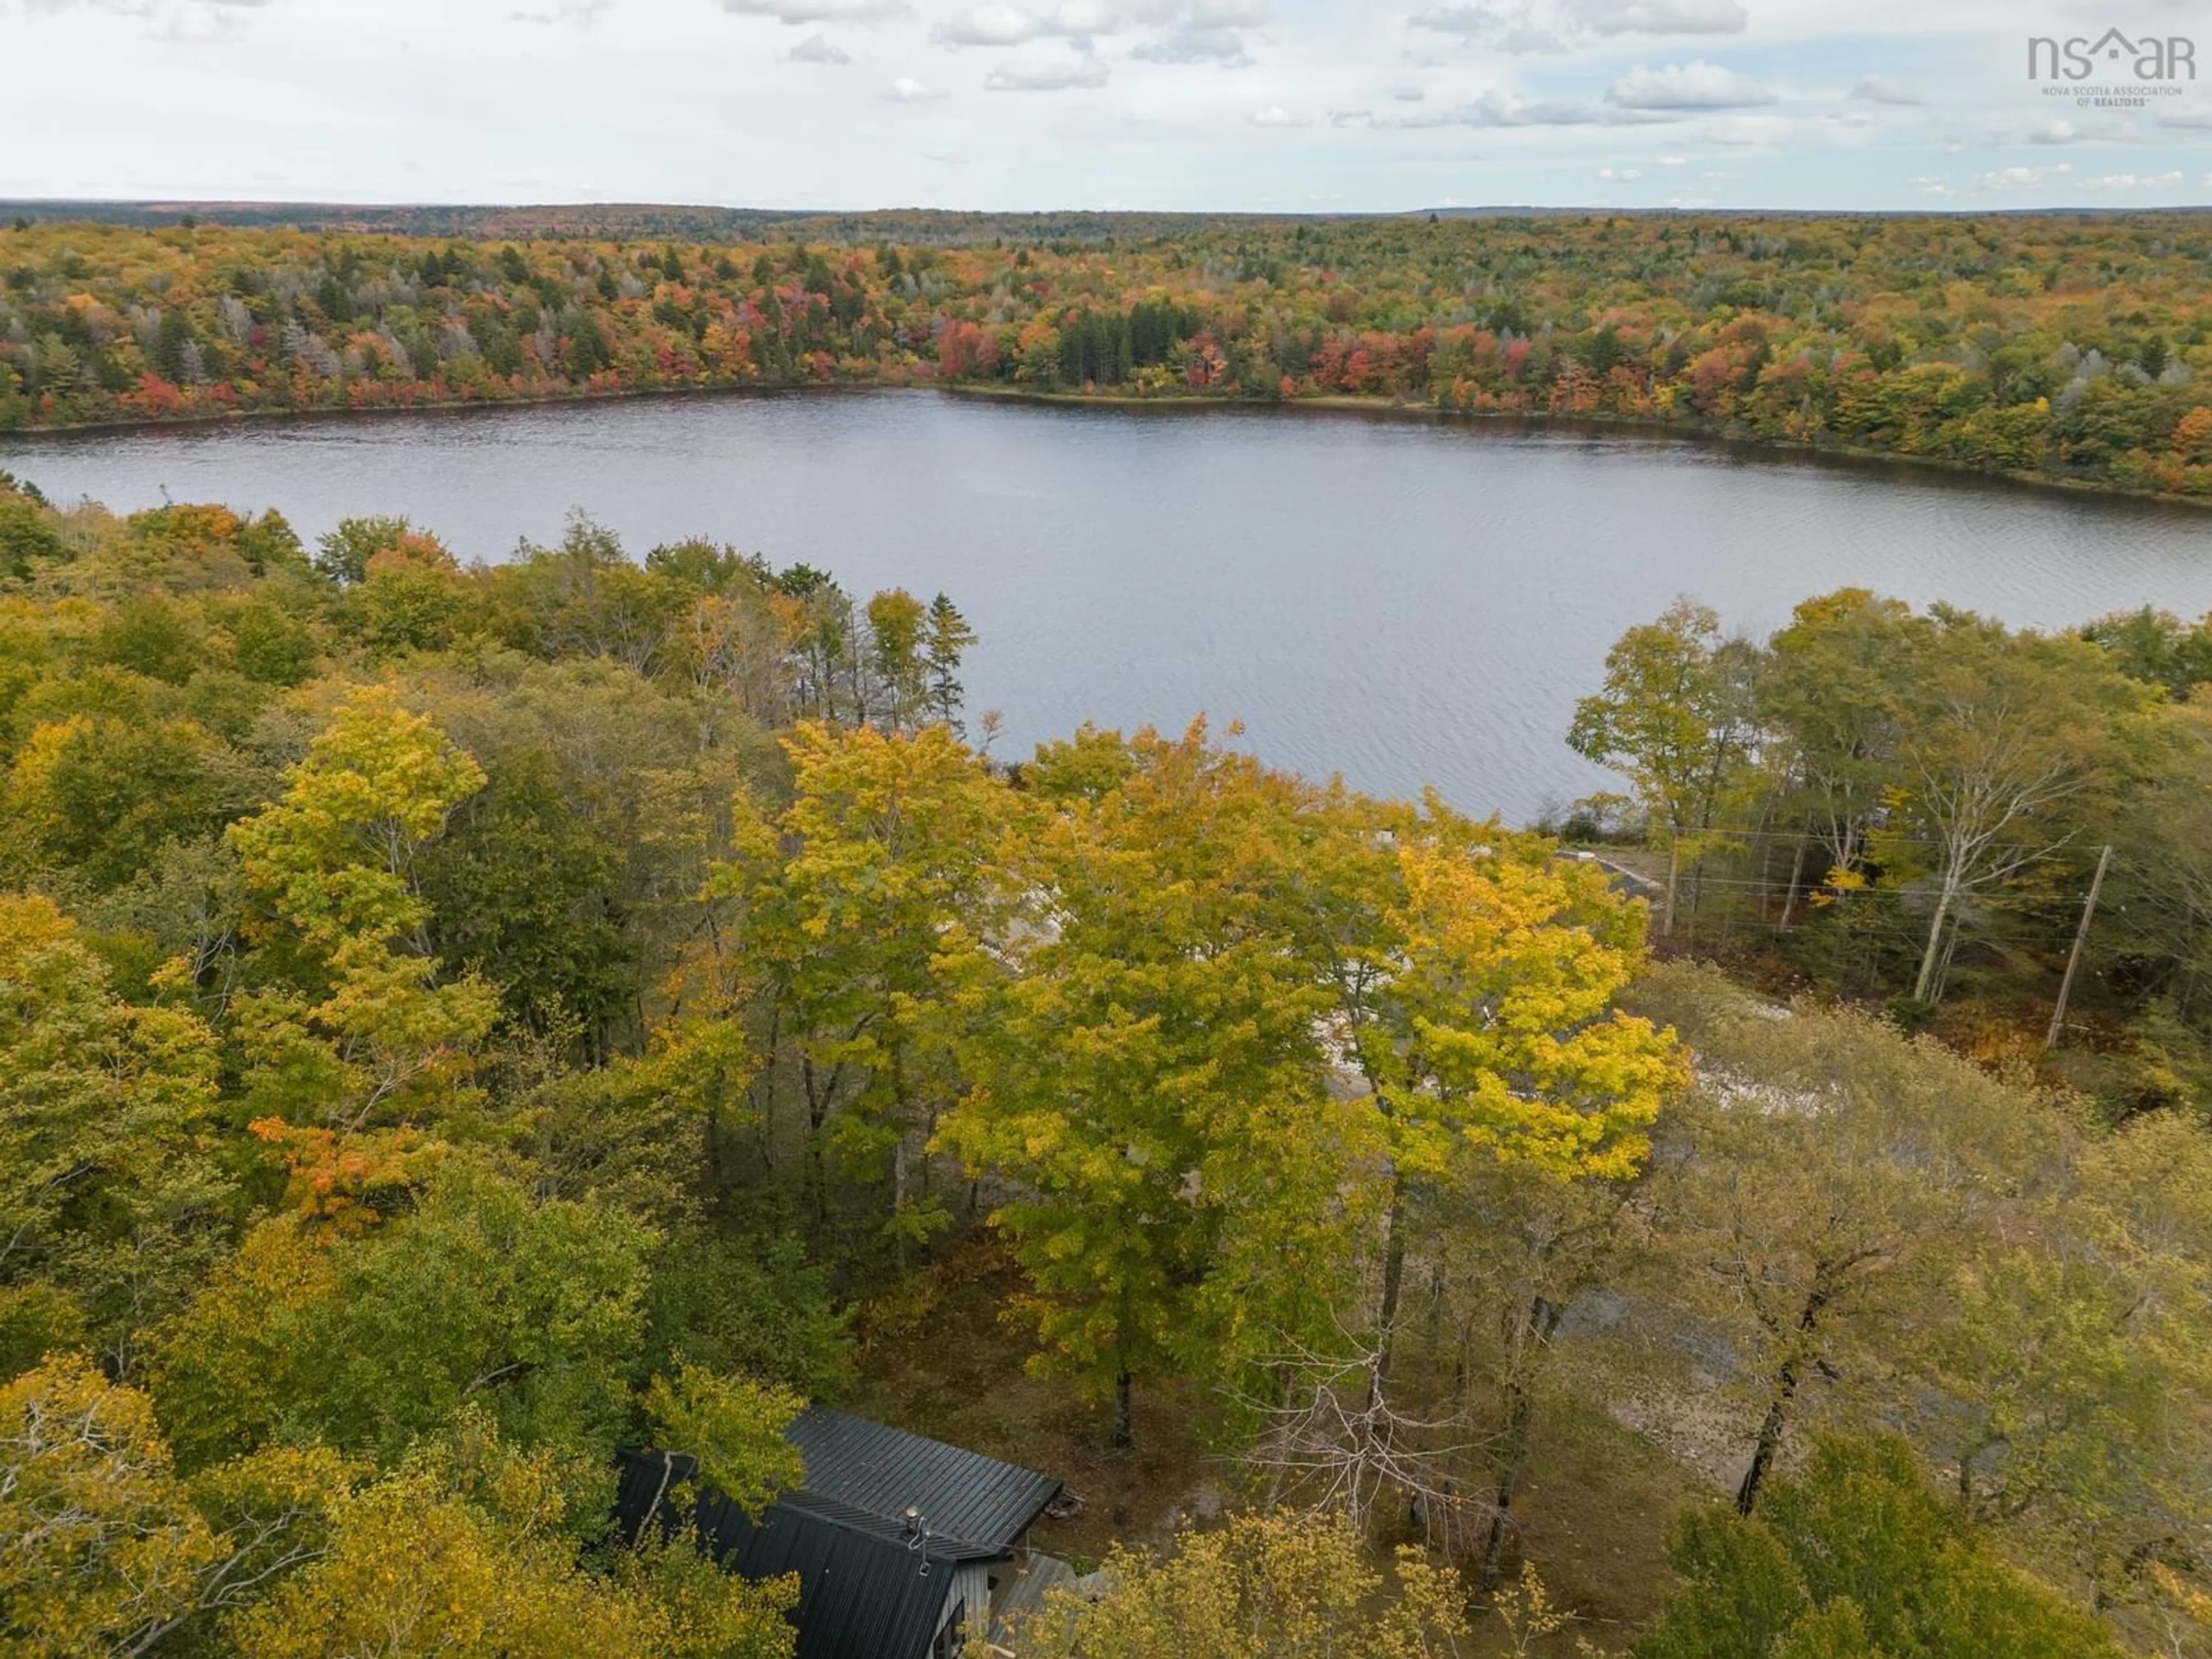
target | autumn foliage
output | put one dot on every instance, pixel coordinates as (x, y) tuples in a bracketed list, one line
[(2062, 346)]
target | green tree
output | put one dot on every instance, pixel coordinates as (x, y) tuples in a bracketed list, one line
[(520, 885), (410, 597), (2005, 734), (896, 624), (100, 795), (1832, 689), (948, 638), (480, 1294), (1857, 1557), (1675, 717), (734, 1427), (854, 906), (342, 554), (1840, 1174)]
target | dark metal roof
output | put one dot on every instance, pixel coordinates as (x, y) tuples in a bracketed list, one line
[(871, 1585), (864, 1591), (886, 1472)]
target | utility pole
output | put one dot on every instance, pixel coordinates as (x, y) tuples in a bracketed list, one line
[(2080, 943)]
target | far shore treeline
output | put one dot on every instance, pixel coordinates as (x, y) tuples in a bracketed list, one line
[(2069, 347)]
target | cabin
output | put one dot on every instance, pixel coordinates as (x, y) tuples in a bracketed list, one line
[(904, 1547)]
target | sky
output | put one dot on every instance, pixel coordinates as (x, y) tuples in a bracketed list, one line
[(1264, 106)]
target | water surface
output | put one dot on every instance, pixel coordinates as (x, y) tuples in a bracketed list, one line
[(1402, 601)]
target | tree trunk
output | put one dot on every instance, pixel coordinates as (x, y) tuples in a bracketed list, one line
[(1125, 1435), (1537, 1326), (1785, 1390), (1769, 1441), (1673, 880), (1436, 1341), (1930, 956), (1394, 1282), (898, 1203), (817, 1168), (1797, 880), (1943, 966)]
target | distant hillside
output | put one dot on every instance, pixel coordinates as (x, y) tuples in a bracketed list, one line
[(913, 227), (909, 227), (2069, 347)]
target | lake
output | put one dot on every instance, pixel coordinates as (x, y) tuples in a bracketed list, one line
[(1400, 601)]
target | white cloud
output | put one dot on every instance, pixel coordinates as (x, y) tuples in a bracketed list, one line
[(1084, 17), (1619, 175), (1693, 86), (1880, 89), (1422, 120), (2077, 132), (176, 22), (144, 8), (192, 22), (988, 25), (2006, 178), (1818, 119), (1276, 116), (1533, 26), (1662, 16), (1196, 43), (1504, 109), (1000, 24), (1474, 20), (1748, 132), (584, 13), (2134, 181), (818, 11), (1046, 77)]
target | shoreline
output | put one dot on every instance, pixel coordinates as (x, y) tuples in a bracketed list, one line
[(1738, 445)]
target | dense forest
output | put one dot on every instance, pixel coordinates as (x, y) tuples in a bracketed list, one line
[(456, 1022), (1962, 823), (2068, 347)]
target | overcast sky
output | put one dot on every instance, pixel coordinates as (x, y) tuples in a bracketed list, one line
[(1305, 105)]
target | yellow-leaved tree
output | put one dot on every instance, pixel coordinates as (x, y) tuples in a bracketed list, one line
[(1282, 1586), (351, 1021), (1475, 978), (109, 1206), (853, 906), (1142, 1066), (105, 1550), (470, 1550)]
